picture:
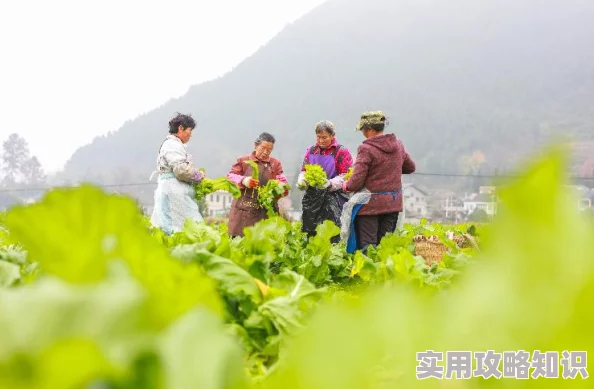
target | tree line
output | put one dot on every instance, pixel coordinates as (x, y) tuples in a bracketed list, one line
[(19, 167), (19, 170)]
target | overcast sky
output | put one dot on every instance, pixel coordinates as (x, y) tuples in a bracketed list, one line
[(72, 70)]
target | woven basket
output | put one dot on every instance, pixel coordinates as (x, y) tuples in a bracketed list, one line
[(432, 249)]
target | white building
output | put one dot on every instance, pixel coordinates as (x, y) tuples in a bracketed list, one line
[(415, 201), (488, 190), (219, 203), (453, 207), (486, 202)]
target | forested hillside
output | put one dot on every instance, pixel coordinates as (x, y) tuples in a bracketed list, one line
[(498, 77)]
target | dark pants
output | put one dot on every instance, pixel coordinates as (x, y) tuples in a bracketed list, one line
[(372, 228)]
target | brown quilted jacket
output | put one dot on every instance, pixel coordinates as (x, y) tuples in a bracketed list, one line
[(381, 161)]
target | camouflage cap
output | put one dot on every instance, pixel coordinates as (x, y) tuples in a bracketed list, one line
[(371, 118)]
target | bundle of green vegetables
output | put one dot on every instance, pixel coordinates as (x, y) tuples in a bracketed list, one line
[(315, 176), (210, 185), (269, 194)]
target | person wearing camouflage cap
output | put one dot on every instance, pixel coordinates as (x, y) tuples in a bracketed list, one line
[(370, 119), (321, 204), (381, 161)]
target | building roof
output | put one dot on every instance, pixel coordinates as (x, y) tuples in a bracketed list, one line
[(482, 198), (411, 185)]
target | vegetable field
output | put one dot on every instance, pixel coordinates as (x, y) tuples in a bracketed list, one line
[(92, 297)]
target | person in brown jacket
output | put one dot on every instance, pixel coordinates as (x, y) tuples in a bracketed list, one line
[(246, 210), (381, 161)]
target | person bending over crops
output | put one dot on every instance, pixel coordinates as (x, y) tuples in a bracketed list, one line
[(251, 173), (174, 196), (325, 163), (381, 161)]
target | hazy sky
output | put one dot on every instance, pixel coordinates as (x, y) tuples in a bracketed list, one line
[(72, 70)]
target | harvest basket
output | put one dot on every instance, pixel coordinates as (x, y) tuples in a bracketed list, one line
[(432, 249)]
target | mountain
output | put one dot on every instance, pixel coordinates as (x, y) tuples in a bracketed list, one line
[(500, 77)]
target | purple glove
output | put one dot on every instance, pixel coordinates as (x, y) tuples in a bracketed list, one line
[(197, 176)]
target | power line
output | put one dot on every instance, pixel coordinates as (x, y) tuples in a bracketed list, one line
[(36, 189), (75, 186), (486, 175)]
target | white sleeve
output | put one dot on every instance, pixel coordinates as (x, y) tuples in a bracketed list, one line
[(174, 153), (336, 182), (176, 157)]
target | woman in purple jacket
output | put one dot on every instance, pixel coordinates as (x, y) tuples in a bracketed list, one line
[(381, 161), (320, 204)]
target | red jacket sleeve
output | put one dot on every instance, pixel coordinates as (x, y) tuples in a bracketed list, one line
[(408, 165), (344, 160), (360, 169)]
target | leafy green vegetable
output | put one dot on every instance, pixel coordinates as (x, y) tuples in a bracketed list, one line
[(9, 274), (208, 185), (269, 194), (255, 169), (315, 175), (349, 174), (90, 229), (96, 328), (198, 354)]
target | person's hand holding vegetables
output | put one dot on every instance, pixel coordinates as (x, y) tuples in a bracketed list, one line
[(250, 182)]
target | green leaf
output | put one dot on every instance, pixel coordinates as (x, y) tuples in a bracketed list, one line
[(75, 233), (57, 335), (197, 353), (264, 237), (363, 267), (472, 230), (67, 364), (288, 312), (255, 169), (10, 274), (231, 279), (33, 316)]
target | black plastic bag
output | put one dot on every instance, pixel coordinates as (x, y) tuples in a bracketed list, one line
[(319, 205)]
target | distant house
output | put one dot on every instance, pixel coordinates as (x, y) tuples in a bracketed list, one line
[(219, 203), (484, 201), (453, 207), (415, 201), (489, 190)]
